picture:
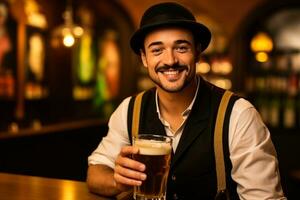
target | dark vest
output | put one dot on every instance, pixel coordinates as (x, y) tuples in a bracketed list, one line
[(192, 173)]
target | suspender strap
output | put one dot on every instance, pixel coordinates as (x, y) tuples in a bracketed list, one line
[(218, 137), (136, 114), (218, 144)]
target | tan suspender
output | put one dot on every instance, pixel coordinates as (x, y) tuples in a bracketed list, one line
[(218, 135), (136, 114), (218, 143)]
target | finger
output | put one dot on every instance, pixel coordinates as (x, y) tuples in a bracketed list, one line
[(120, 186), (129, 150), (126, 181), (129, 163), (129, 173)]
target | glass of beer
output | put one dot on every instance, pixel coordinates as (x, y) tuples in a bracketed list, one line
[(155, 153)]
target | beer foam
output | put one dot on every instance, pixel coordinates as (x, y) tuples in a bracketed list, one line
[(152, 147)]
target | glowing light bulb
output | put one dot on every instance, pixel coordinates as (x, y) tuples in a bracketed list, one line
[(68, 40), (202, 67), (78, 31), (261, 42), (261, 57)]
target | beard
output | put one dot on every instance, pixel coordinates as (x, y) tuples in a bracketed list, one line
[(170, 86)]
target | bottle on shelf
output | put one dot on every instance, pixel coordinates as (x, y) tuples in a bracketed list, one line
[(289, 113)]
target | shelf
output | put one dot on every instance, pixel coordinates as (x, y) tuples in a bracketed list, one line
[(53, 128)]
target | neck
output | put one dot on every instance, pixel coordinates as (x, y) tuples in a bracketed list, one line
[(176, 103)]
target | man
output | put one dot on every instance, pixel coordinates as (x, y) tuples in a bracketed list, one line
[(183, 105)]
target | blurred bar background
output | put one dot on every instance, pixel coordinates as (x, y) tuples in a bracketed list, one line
[(66, 64)]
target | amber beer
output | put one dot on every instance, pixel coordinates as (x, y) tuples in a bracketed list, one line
[(155, 153)]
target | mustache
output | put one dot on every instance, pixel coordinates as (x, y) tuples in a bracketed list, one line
[(175, 66)]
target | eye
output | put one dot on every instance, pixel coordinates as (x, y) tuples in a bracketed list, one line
[(156, 51), (182, 48)]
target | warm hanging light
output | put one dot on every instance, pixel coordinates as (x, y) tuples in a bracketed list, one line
[(69, 31), (202, 67), (68, 40), (261, 44), (261, 56)]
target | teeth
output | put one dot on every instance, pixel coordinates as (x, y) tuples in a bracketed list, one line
[(171, 72)]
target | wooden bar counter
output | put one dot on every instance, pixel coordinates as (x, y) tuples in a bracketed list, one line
[(20, 187)]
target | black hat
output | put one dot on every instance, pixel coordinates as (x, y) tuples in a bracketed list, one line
[(169, 14)]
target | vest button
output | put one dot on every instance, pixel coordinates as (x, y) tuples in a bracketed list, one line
[(173, 177), (175, 197)]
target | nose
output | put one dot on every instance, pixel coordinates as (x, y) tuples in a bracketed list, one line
[(170, 58)]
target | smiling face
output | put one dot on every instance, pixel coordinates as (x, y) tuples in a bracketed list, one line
[(170, 57)]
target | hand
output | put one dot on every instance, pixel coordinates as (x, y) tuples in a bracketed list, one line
[(128, 172)]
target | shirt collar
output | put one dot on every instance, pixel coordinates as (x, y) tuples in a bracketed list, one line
[(187, 110)]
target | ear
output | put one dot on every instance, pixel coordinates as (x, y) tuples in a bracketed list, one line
[(143, 58)]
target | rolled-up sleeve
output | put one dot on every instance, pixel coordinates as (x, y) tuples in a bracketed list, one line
[(117, 136), (253, 156)]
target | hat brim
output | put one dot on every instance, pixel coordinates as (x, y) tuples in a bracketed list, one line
[(201, 32)]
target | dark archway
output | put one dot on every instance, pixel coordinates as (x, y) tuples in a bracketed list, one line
[(253, 22), (286, 138)]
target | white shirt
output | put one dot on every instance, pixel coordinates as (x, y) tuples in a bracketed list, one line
[(253, 156)]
